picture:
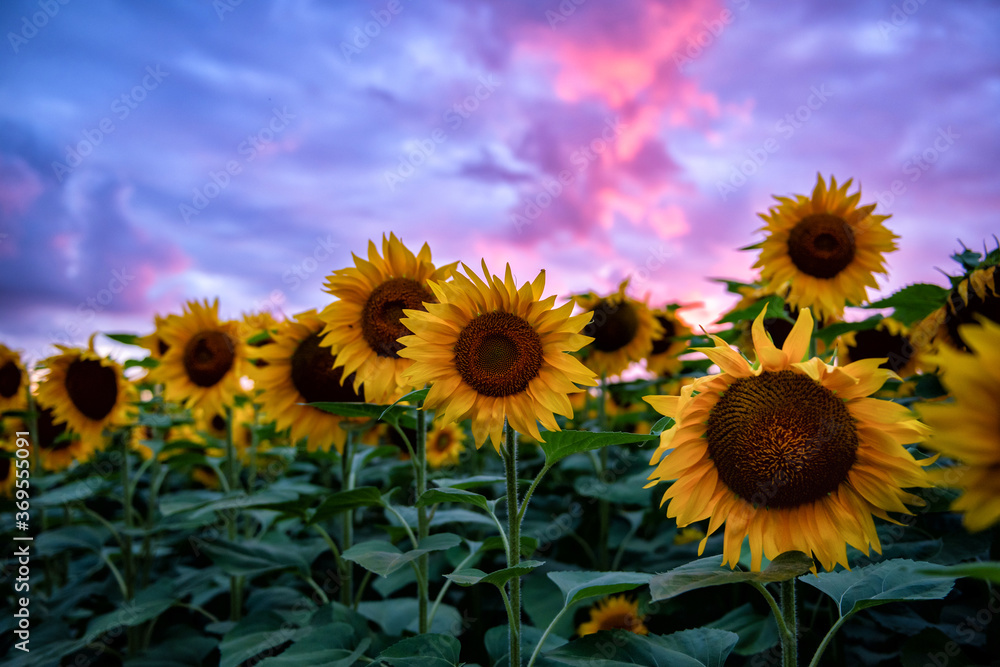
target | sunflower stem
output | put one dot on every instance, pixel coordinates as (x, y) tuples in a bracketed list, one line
[(347, 535), (545, 635), (790, 636), (513, 544), (826, 641), (235, 583), (423, 523)]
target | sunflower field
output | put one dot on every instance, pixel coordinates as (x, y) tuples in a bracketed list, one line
[(441, 465)]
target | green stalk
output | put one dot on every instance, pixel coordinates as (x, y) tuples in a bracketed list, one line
[(790, 636), (232, 475), (513, 543), (826, 640), (423, 523), (347, 534)]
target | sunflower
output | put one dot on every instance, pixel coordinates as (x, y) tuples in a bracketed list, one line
[(445, 444), (204, 360), (85, 390), (257, 329), (687, 536), (622, 329), (968, 429), (821, 252), (363, 326), (973, 298), (889, 340), (8, 469), (59, 447), (615, 612), (791, 453), (491, 351), (154, 341), (13, 381), (300, 370), (662, 358)]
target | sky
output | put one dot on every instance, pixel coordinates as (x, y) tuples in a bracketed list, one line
[(152, 153)]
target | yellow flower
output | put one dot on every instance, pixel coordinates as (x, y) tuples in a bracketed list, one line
[(662, 358), (363, 327), (615, 612), (300, 370), (975, 296), (59, 447), (491, 351), (821, 252), (792, 454), (13, 381), (154, 342), (204, 360), (968, 429), (623, 330), (85, 390), (889, 339), (445, 444), (687, 536)]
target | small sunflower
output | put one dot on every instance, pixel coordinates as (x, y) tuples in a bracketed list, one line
[(59, 447), (974, 297), (87, 391), (204, 360), (491, 351), (968, 429), (615, 612), (822, 252), (791, 453), (154, 342), (257, 330), (623, 330), (364, 325), (890, 339), (299, 370), (445, 444), (662, 358), (687, 536), (13, 381)]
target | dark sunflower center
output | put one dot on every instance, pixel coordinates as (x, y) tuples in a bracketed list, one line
[(875, 343), (821, 245), (219, 423), (623, 621), (661, 345), (208, 356), (380, 317), (441, 442), (49, 432), (10, 379), (92, 387), (4, 468), (614, 325), (314, 376), (781, 439), (498, 354), (960, 313), (161, 346)]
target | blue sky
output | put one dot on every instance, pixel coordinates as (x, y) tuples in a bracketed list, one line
[(152, 153)]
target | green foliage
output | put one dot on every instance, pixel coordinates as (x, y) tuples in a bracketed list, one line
[(881, 583), (706, 572), (914, 302)]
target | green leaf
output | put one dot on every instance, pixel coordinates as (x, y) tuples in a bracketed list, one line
[(560, 444), (472, 482), (775, 309), (248, 559), (59, 540), (913, 302), (829, 333), (450, 495), (369, 410), (145, 362), (264, 499), (579, 585), (661, 425), (383, 557), (702, 647), (414, 397), (757, 632), (72, 492), (342, 501), (253, 636), (147, 604), (398, 615), (329, 645), (127, 339), (989, 571), (472, 576), (889, 581), (706, 572), (422, 651)]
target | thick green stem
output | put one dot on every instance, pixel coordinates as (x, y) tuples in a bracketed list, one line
[(513, 544), (423, 523), (232, 476), (790, 636), (347, 535)]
